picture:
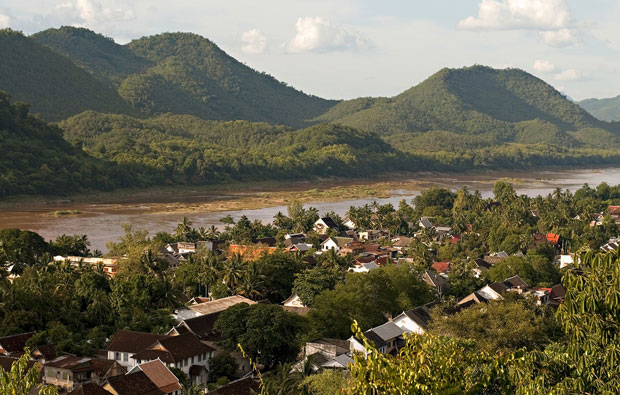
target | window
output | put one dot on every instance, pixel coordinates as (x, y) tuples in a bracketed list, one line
[(192, 359), (199, 357), (117, 356), (125, 356)]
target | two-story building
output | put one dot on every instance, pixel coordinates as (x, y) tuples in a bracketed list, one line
[(68, 372), (125, 344)]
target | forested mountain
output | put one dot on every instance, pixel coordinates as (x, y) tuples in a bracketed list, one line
[(99, 55), (34, 158), (605, 109), (54, 86), (184, 73), (486, 105)]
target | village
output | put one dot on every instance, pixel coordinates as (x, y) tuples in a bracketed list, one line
[(456, 252)]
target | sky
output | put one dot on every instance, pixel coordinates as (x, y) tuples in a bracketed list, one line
[(351, 48)]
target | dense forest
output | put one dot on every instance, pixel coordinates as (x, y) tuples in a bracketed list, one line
[(175, 109)]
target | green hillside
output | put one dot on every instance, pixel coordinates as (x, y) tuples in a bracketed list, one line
[(504, 105), (54, 86), (99, 55), (183, 149), (604, 109), (184, 73), (34, 158)]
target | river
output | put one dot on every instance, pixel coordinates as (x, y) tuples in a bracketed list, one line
[(102, 221)]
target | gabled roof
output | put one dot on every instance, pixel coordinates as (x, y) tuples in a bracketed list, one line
[(328, 222), (342, 346), (244, 386), (136, 383), (132, 341), (433, 279), (202, 326), (6, 363), (420, 315), (340, 241), (472, 298), (161, 376), (426, 222), (442, 267), (47, 351), (174, 349), (215, 306), (89, 389), (482, 264), (387, 331), (15, 344), (499, 288), (515, 282)]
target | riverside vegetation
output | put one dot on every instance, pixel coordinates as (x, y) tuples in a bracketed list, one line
[(531, 350)]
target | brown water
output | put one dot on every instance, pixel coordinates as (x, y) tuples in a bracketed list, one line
[(103, 221)]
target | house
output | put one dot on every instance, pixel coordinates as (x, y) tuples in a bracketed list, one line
[(494, 291), (323, 225), (415, 320), (111, 266), (214, 306), (402, 242), (136, 383), (68, 372), (244, 386), (436, 281), (387, 338), (161, 376), (364, 267), (13, 346), (614, 213), (611, 245), (89, 389), (6, 363), (125, 344), (43, 353), (372, 235), (299, 247), (325, 353), (441, 232), (442, 268), (567, 260), (425, 223), (556, 297), (480, 265), (515, 283), (335, 243), (350, 224), (184, 352), (293, 301)]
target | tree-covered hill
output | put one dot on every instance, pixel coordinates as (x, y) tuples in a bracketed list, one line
[(184, 73), (99, 55), (35, 159), (500, 105), (54, 86), (605, 109)]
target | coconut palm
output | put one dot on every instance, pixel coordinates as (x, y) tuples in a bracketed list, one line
[(183, 229), (232, 271), (251, 281)]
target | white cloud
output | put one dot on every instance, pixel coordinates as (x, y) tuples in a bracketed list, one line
[(319, 35), (519, 14), (5, 21), (552, 18), (568, 75), (559, 38), (254, 40), (84, 13), (544, 66)]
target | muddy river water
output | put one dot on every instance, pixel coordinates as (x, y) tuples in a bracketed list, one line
[(102, 221)]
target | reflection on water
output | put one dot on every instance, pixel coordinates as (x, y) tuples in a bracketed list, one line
[(102, 222)]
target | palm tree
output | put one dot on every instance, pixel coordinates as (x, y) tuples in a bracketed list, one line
[(232, 271), (251, 281), (213, 233), (183, 229), (284, 381), (209, 272)]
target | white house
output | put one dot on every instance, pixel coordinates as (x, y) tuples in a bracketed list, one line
[(125, 344), (324, 225), (414, 320), (293, 301), (335, 243)]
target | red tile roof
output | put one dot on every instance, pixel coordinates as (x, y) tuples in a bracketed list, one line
[(175, 349), (161, 376), (442, 267), (89, 389)]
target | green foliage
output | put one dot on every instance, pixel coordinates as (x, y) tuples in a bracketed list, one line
[(534, 269), (327, 382), (22, 380), (20, 249), (222, 365), (268, 334), (499, 326), (311, 282), (367, 298)]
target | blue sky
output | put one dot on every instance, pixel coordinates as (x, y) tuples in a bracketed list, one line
[(352, 48)]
